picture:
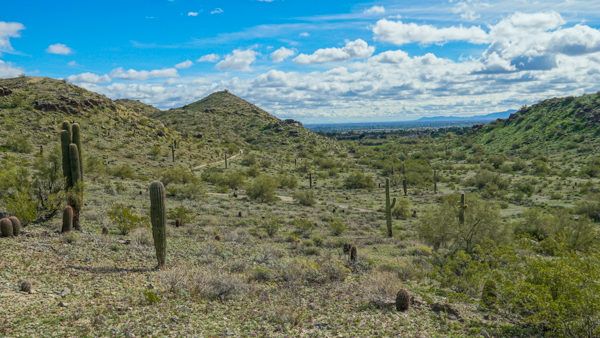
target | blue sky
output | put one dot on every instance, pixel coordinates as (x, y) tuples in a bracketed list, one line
[(316, 61)]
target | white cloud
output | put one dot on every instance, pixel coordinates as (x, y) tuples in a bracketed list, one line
[(216, 11), (88, 78), (400, 33), (59, 49), (304, 34), (238, 60), (282, 54), (375, 10), (132, 74), (466, 9), (353, 49), (9, 30), (209, 58), (192, 13), (184, 65), (7, 70)]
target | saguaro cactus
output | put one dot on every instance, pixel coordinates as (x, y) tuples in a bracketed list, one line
[(405, 186), (461, 210), (173, 147), (158, 216), (388, 207), (226, 164), (72, 165), (67, 224), (310, 180), (435, 178)]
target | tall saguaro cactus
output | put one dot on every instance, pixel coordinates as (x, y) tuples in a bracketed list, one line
[(461, 210), (72, 165), (405, 186), (388, 207), (158, 216), (435, 179)]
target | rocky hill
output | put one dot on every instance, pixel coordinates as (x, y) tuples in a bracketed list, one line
[(557, 123)]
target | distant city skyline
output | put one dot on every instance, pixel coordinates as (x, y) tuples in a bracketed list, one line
[(327, 61)]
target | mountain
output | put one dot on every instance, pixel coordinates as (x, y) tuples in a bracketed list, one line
[(475, 118), (225, 119), (557, 123)]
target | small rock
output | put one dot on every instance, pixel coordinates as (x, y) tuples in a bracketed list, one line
[(63, 304)]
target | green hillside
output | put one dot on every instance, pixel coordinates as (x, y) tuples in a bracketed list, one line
[(557, 123)]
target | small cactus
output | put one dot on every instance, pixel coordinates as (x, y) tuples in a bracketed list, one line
[(67, 224), (353, 254), (405, 186), (158, 217), (402, 300), (16, 224), (388, 208), (6, 227), (461, 210)]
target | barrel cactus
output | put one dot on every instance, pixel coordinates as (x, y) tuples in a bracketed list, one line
[(6, 227), (16, 225), (158, 217), (402, 300), (67, 224)]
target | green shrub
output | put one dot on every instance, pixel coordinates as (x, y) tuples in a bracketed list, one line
[(182, 214), (125, 219), (359, 180), (305, 197), (124, 171), (19, 143), (262, 189), (402, 208), (178, 175), (337, 227), (287, 181)]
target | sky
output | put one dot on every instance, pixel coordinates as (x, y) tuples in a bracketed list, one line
[(314, 61)]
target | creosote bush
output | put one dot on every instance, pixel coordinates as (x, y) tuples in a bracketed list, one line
[(262, 189)]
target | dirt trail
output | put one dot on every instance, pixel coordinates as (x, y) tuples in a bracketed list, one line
[(217, 162)]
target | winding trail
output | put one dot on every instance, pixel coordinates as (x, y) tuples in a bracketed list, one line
[(218, 162)]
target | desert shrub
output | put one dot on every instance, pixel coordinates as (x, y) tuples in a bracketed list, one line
[(462, 272), (589, 206), (23, 205), (181, 213), (287, 181), (592, 168), (337, 226), (380, 288), (402, 208), (441, 228), (124, 171), (19, 143), (359, 180), (233, 179), (540, 167), (303, 227), (249, 160), (178, 175), (272, 226), (308, 271), (94, 165), (186, 191), (305, 197), (484, 179), (262, 189), (125, 219)]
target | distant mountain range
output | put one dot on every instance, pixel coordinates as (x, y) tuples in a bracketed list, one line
[(482, 118)]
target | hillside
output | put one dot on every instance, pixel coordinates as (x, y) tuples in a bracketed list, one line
[(225, 119), (557, 123)]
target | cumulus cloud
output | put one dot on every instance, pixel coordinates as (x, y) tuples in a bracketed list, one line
[(209, 58), (9, 30), (282, 54), (192, 13), (375, 10), (353, 49), (238, 60), (7, 70), (59, 49), (184, 65), (216, 11), (88, 78), (400, 33), (132, 74)]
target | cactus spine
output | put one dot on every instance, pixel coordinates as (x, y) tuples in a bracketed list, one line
[(388, 207), (67, 224), (72, 165), (159, 221), (461, 210)]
